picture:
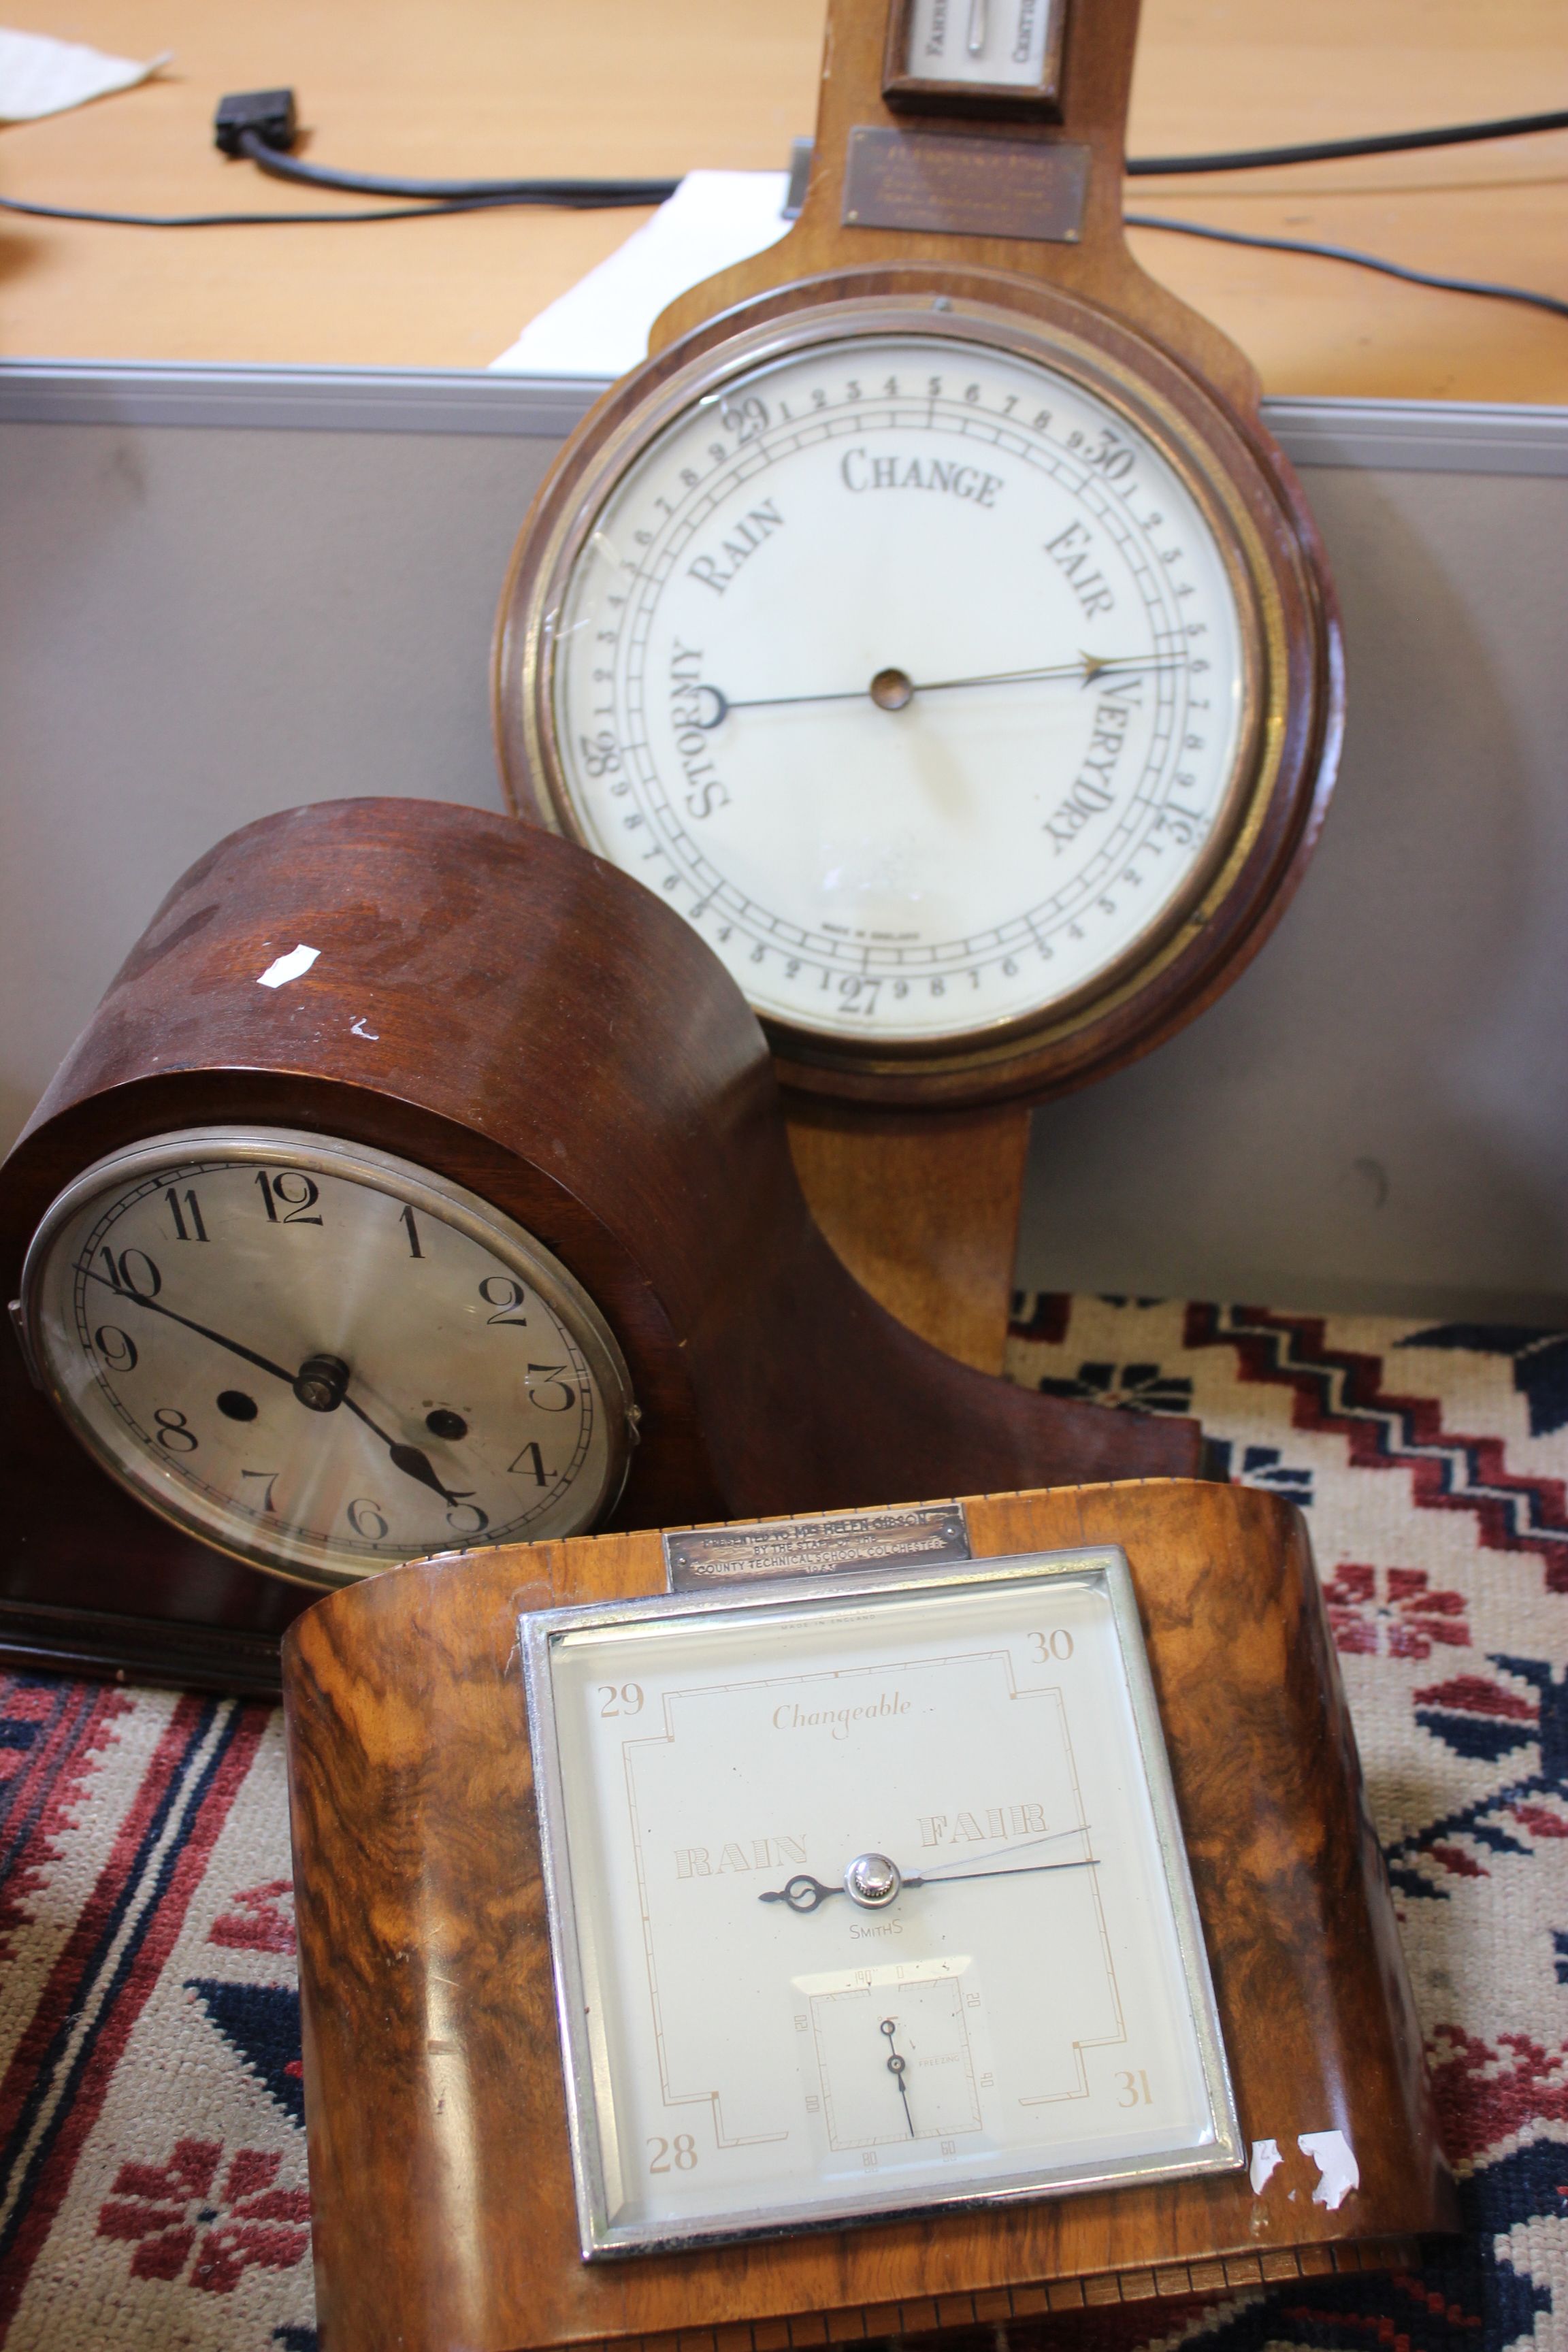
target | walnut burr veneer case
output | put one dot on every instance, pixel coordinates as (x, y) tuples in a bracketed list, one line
[(838, 1927)]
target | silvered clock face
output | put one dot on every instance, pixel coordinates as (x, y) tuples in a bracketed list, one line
[(913, 672), (320, 1357)]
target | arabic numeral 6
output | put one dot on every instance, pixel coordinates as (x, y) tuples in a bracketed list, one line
[(679, 2153), (367, 1520), (1057, 1645), (601, 752)]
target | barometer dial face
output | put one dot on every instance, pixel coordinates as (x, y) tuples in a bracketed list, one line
[(918, 673), (867, 1899), (319, 1358)]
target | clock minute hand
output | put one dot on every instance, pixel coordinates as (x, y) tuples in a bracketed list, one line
[(407, 1458), (235, 1347)]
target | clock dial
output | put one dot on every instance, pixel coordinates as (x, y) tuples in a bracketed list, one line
[(915, 673), (321, 1358), (869, 1899)]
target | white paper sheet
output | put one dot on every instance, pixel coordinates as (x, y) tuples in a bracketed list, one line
[(600, 326), (40, 76)]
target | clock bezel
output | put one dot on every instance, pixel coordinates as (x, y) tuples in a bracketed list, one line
[(1284, 765), (580, 2004), (402, 1179)]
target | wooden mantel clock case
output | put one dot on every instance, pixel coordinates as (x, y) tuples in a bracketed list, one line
[(422, 1182)]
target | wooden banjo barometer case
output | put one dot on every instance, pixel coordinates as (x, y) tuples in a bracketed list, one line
[(421, 1180), (932, 622)]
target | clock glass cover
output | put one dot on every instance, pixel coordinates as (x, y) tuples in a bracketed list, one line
[(321, 1358), (867, 1896), (918, 670)]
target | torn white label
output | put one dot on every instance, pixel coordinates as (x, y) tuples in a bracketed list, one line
[(1338, 2171), (359, 1030), (288, 966), (1266, 2162)]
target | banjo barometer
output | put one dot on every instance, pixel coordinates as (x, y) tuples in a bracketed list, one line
[(930, 620)]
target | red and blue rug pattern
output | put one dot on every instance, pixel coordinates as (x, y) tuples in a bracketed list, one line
[(152, 2185)]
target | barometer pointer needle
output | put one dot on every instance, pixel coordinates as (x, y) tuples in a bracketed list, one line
[(804, 1893), (407, 1458), (898, 2067), (1086, 668)]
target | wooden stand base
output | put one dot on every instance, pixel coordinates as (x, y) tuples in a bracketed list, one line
[(923, 1208)]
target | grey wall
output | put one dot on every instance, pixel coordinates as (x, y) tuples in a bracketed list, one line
[(1377, 1113), (222, 593)]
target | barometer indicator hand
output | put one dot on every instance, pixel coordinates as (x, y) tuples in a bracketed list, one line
[(891, 689), (875, 1880), (898, 2067)]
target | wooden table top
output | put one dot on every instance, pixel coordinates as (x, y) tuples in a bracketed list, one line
[(620, 87)]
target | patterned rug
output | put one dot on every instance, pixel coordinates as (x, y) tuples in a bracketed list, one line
[(152, 2188)]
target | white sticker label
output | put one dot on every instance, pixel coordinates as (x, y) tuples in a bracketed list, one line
[(1338, 2171), (1266, 2162), (288, 966)]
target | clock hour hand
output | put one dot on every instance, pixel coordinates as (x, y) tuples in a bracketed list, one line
[(319, 1383), (409, 1459)]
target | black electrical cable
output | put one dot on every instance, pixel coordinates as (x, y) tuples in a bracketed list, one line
[(1330, 151), (253, 220), (270, 156), (584, 194), (1349, 253), (438, 197)]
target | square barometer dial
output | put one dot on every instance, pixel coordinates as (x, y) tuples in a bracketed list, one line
[(867, 1896)]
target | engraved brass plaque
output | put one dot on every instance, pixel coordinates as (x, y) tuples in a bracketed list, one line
[(954, 186), (819, 1546)]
